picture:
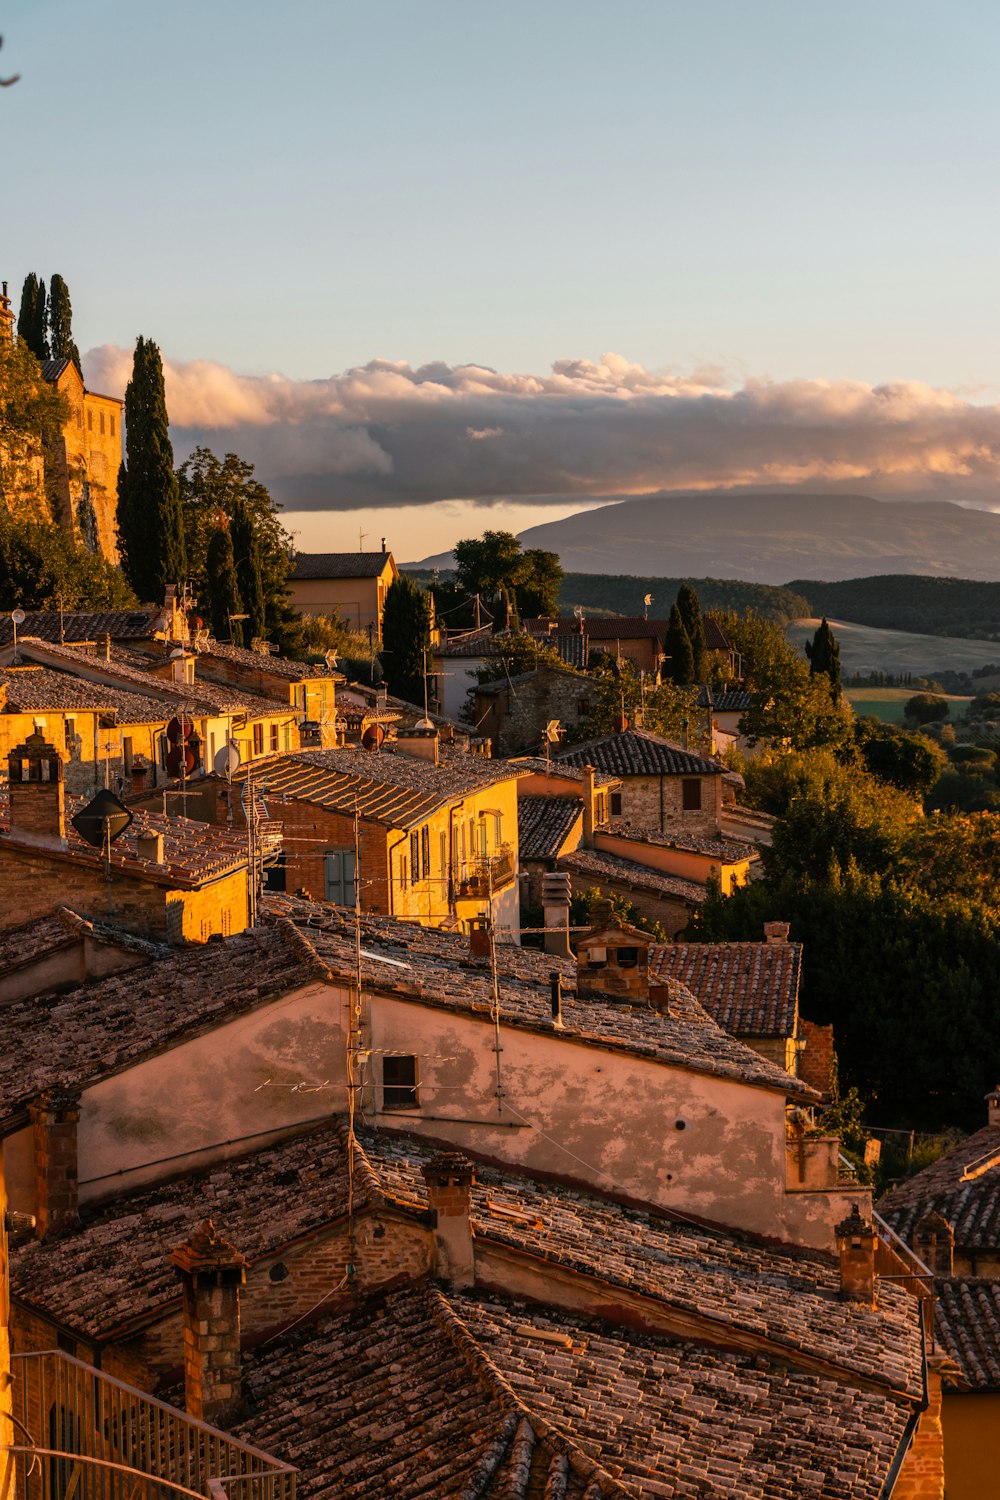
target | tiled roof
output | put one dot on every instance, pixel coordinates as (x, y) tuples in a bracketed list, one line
[(971, 1204), (193, 852), (595, 865), (544, 824), (667, 1417), (134, 670), (729, 851), (751, 989), (260, 661), (789, 1297), (434, 968), (967, 1327), (726, 700), (60, 929), (573, 649), (474, 643), (338, 564), (636, 752), (114, 1269), (387, 786), (715, 636), (540, 766), (355, 708), (42, 690), (84, 625), (598, 627), (108, 1024), (501, 684)]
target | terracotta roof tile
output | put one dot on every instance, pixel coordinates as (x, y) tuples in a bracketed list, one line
[(338, 564), (540, 766), (971, 1204), (42, 690), (261, 661), (731, 851), (134, 671), (967, 1326), (751, 989), (84, 625), (62, 928), (544, 824), (636, 752), (596, 865)]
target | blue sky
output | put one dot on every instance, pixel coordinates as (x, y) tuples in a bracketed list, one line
[(773, 191)]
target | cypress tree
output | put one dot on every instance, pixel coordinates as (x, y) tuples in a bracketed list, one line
[(32, 319), (677, 646), (405, 633), (61, 322), (150, 524), (691, 614), (823, 652), (223, 587), (246, 554)]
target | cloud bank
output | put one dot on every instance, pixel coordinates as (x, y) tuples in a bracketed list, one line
[(385, 434)]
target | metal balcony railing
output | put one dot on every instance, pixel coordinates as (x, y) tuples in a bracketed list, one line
[(493, 871), (82, 1433)]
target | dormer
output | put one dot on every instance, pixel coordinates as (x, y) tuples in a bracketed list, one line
[(613, 959)]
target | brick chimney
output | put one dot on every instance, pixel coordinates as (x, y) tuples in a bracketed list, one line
[(776, 932), (934, 1242), (479, 937), (856, 1248), (37, 793), (993, 1108), (55, 1115), (556, 889), (212, 1271), (449, 1178)]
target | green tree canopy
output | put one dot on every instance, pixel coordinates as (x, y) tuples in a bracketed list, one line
[(33, 319), (247, 560), (509, 582), (689, 607), (41, 568), (926, 708), (823, 652), (680, 663), (150, 523), (621, 691), (910, 762), (222, 586), (32, 416), (405, 634), (61, 322), (790, 708)]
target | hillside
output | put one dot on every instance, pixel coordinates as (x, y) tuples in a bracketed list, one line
[(770, 538), (932, 606), (621, 594)]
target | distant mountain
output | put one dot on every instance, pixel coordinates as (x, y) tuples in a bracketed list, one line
[(771, 538)]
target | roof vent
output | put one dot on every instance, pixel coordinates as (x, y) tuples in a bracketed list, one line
[(149, 845)]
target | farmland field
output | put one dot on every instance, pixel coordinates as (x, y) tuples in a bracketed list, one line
[(864, 649), (888, 704)]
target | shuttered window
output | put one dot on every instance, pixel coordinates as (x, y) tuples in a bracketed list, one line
[(338, 876)]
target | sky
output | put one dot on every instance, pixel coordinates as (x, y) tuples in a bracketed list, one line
[(438, 266)]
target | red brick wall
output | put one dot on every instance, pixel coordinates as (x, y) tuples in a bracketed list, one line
[(816, 1058)]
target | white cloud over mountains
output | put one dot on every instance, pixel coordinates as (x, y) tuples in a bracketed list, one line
[(385, 434)]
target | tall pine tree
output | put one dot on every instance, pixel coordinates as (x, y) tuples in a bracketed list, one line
[(677, 648), (61, 342), (150, 525), (223, 586), (32, 319), (823, 652), (689, 606), (246, 555)]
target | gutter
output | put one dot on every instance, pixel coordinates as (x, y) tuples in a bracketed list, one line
[(912, 1423)]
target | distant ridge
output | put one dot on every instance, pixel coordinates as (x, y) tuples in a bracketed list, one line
[(773, 537)]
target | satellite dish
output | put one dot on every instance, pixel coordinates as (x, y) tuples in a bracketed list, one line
[(373, 736), (104, 818), (226, 761), (18, 616)]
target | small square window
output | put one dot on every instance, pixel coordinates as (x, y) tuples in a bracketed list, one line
[(691, 794), (399, 1083)]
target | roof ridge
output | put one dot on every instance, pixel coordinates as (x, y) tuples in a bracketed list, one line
[(303, 949), (489, 1375)]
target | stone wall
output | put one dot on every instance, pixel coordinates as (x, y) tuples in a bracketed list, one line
[(515, 717), (658, 802)]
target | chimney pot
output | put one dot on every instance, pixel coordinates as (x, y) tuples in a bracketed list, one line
[(449, 1178), (993, 1107), (856, 1248), (776, 932)]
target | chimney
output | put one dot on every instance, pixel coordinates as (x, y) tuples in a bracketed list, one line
[(422, 741), (856, 1248), (449, 1178), (776, 933), (149, 845), (37, 793), (685, 734), (556, 889), (212, 1271), (993, 1107), (479, 937), (106, 647), (934, 1242), (555, 980), (55, 1115), (589, 804)]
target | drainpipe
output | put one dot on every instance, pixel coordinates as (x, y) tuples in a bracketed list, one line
[(392, 849)]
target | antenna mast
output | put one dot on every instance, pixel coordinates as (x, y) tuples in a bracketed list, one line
[(495, 1000)]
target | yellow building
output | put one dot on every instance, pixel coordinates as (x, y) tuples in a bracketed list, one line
[(86, 460), (354, 584)]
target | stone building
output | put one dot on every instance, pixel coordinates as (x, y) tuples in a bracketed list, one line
[(514, 711), (86, 461), (664, 786)]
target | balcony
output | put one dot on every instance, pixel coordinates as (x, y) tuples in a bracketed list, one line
[(81, 1433), (492, 873)]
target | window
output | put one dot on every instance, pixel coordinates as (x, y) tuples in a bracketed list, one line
[(403, 871), (338, 877), (102, 424), (497, 830), (582, 707), (425, 849), (258, 739), (90, 421), (70, 732), (628, 958), (399, 1083), (112, 426), (275, 878), (415, 854), (616, 804), (274, 738), (691, 794)]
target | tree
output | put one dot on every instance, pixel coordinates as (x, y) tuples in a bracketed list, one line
[(150, 523), (680, 664), (790, 707), (538, 584), (212, 488), (926, 708), (405, 634), (823, 652), (508, 581), (32, 320), (223, 593), (621, 691), (691, 614), (32, 416), (246, 555), (910, 762), (41, 568), (61, 322)]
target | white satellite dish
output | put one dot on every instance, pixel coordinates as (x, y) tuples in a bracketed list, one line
[(226, 760), (18, 616)]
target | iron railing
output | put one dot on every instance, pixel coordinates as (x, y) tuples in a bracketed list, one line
[(82, 1433)]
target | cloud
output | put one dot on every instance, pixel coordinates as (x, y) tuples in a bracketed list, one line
[(386, 434)]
